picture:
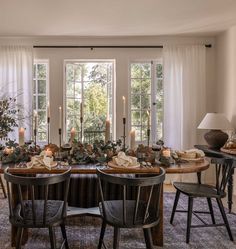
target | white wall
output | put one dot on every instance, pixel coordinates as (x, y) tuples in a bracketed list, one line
[(226, 76)]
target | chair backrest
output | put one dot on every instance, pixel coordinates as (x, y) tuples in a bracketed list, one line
[(223, 169), (18, 185), (147, 194)]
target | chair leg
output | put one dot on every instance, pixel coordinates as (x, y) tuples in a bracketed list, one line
[(19, 237), (211, 210), (148, 238), (63, 231), (222, 210), (175, 206), (52, 237), (3, 187), (190, 210), (116, 240), (103, 229)]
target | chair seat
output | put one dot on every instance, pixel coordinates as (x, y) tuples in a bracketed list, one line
[(53, 215), (114, 214), (198, 190)]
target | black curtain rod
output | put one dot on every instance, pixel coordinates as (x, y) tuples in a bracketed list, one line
[(92, 47)]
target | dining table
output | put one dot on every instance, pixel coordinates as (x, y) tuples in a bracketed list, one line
[(177, 168)]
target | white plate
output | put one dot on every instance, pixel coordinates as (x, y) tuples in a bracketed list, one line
[(116, 166), (53, 164), (200, 159)]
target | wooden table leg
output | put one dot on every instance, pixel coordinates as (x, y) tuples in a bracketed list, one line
[(157, 231), (13, 228), (230, 191)]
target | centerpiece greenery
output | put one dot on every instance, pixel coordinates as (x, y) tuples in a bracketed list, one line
[(8, 116)]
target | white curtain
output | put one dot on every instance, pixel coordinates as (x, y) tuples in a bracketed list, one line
[(184, 94), (16, 66)]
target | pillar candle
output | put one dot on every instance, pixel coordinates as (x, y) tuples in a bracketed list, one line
[(60, 117), (72, 134), (21, 136), (124, 107), (35, 120), (107, 131), (132, 139)]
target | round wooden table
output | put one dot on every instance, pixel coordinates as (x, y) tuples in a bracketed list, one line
[(189, 167)]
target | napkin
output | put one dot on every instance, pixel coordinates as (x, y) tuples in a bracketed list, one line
[(122, 160), (41, 161), (191, 154)]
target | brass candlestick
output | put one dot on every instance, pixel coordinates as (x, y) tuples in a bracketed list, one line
[(60, 138), (148, 137), (81, 129), (48, 121), (35, 139), (124, 122)]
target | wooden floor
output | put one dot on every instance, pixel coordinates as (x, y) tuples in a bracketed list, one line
[(170, 188)]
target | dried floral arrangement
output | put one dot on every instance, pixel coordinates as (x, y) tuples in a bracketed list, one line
[(98, 152), (13, 153)]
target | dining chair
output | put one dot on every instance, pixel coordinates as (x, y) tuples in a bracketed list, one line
[(142, 211), (3, 187), (31, 212), (223, 168)]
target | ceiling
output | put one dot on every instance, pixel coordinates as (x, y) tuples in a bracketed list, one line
[(115, 17)]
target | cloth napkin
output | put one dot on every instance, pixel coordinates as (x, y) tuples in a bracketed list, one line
[(122, 160)]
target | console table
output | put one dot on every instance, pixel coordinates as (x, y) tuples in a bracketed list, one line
[(211, 152)]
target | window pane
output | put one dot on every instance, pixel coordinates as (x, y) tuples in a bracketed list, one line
[(42, 121), (34, 86), (159, 71), (78, 91), (135, 70), (145, 101), (35, 103), (135, 117), (69, 72), (135, 86), (146, 86), (42, 102), (70, 89), (135, 102), (146, 70), (41, 73), (42, 86)]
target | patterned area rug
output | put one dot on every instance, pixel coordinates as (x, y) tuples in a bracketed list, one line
[(84, 232)]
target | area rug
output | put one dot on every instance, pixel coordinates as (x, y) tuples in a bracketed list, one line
[(84, 232)]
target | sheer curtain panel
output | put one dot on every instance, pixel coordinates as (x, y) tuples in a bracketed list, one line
[(16, 66), (184, 94)]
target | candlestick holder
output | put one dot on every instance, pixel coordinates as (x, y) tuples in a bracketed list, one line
[(81, 129), (60, 138), (124, 136), (35, 139), (48, 121), (148, 137)]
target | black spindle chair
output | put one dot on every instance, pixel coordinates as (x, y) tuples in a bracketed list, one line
[(37, 213), (223, 168), (142, 211)]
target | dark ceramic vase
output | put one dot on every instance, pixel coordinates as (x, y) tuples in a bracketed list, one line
[(216, 138)]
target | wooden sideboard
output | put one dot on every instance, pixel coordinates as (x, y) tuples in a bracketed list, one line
[(211, 152)]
